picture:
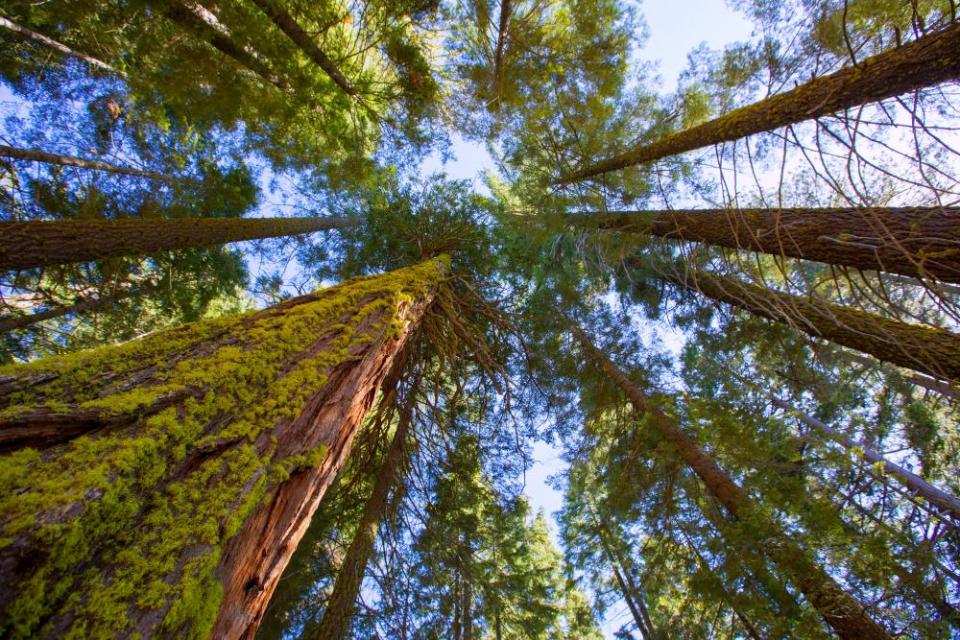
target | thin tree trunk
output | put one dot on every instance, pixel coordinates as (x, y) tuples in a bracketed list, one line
[(174, 514), (928, 61), (286, 23), (335, 623), (941, 500), (506, 6), (35, 155), (925, 382), (25, 245), (57, 46), (930, 350), (12, 323), (642, 621), (921, 242), (839, 609), (202, 22)]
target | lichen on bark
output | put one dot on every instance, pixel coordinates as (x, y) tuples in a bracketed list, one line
[(120, 531)]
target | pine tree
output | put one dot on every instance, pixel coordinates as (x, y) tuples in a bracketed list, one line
[(160, 486), (34, 155), (913, 241), (925, 62)]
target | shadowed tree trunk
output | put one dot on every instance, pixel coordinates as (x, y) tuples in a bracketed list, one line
[(11, 323), (929, 350), (195, 461), (839, 609), (34, 155), (913, 241), (925, 382), (205, 25), (24, 245), (335, 623), (57, 46), (286, 23), (927, 61), (506, 6)]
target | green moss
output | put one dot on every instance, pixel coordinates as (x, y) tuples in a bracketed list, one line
[(127, 522)]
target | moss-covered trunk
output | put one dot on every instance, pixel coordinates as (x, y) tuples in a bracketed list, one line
[(24, 245), (335, 623), (927, 61), (839, 609), (913, 241), (179, 471), (926, 349), (35, 155)]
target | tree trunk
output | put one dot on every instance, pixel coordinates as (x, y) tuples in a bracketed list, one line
[(839, 609), (929, 350), (941, 500), (642, 621), (207, 449), (24, 245), (57, 46), (506, 6), (203, 23), (927, 61), (925, 382), (335, 623), (34, 155), (11, 323), (922, 242), (286, 23)]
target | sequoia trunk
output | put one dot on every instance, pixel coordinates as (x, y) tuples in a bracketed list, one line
[(927, 61), (335, 623), (922, 242), (203, 453), (837, 607), (35, 155), (24, 245), (929, 350)]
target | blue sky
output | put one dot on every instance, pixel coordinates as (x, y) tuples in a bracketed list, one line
[(674, 27)]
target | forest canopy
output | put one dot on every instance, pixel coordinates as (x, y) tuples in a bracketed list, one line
[(679, 357)]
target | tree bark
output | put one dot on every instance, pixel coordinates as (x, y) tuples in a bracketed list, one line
[(178, 521), (34, 155), (12, 323), (25, 245), (929, 350), (335, 623), (837, 607), (939, 499), (921, 242), (927, 61), (57, 46), (203, 23), (286, 23)]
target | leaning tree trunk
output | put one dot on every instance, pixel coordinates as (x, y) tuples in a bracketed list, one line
[(926, 382), (925, 62), (922, 242), (631, 594), (34, 155), (930, 350), (940, 500), (159, 487), (839, 609), (57, 46), (286, 23), (12, 322), (335, 623), (205, 25), (24, 245)]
